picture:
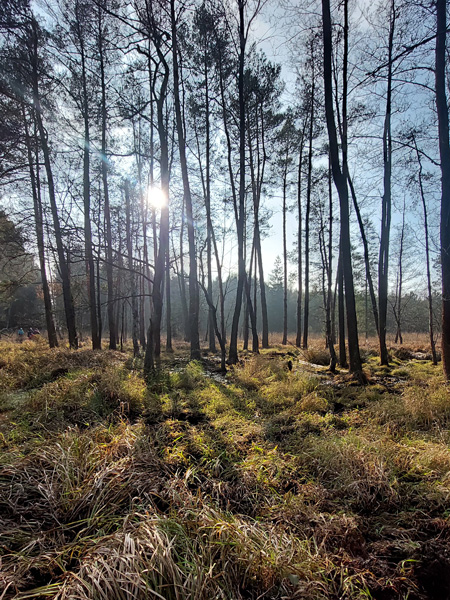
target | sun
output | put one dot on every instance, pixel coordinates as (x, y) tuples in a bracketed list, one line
[(156, 197)]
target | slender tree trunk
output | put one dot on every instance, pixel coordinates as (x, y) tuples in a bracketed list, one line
[(328, 327), (251, 312), (341, 316), (142, 281), (369, 279), (333, 306), (427, 253), (212, 338), (169, 347), (340, 180), (255, 289), (153, 350), (119, 281), (221, 293), (69, 308), (383, 261), (39, 226), (228, 136), (89, 257), (257, 182), (223, 104), (143, 215), (122, 329), (366, 312), (444, 150), (220, 339), (298, 340), (399, 286), (152, 167), (223, 330), (233, 351), (246, 325), (324, 261), (193, 285), (99, 283), (285, 279), (98, 278), (151, 173), (151, 183), (249, 308), (107, 212), (307, 219), (182, 282), (132, 275), (262, 287)]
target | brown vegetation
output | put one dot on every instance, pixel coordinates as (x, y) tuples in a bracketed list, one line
[(262, 483)]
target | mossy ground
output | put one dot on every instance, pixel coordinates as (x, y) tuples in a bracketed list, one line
[(264, 483)]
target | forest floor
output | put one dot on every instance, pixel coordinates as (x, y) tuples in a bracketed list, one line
[(265, 483)]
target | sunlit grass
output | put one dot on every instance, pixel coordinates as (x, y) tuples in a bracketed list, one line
[(268, 481)]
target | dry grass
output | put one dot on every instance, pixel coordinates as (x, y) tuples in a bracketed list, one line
[(30, 364), (267, 483)]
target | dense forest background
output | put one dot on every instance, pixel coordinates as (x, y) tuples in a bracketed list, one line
[(161, 175), (22, 304)]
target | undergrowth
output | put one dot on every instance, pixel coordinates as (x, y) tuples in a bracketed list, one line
[(264, 483)]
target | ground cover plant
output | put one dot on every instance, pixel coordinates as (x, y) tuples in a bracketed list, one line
[(265, 482)]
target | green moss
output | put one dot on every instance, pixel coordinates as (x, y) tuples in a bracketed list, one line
[(403, 373)]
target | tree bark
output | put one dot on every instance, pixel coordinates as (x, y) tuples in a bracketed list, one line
[(153, 350), (182, 282), (223, 352), (398, 292), (246, 327), (211, 324), (328, 326), (69, 308), (341, 316), (98, 279), (169, 347), (298, 340), (427, 253), (383, 261), (143, 210), (89, 257), (340, 180), (193, 284), (373, 298), (444, 151), (112, 324), (307, 219), (285, 278), (257, 180), (132, 275), (233, 351), (39, 227)]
